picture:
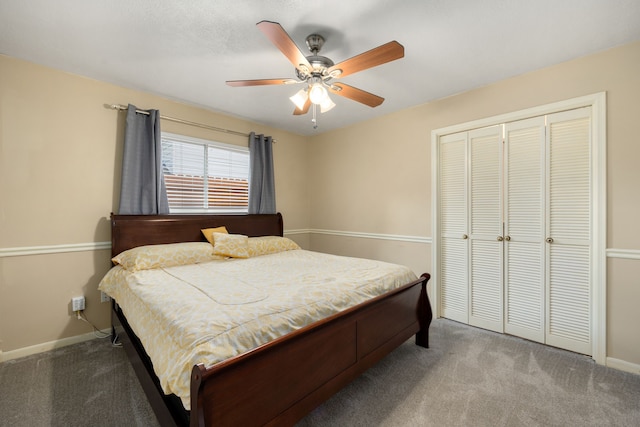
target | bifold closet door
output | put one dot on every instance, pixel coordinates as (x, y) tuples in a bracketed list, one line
[(453, 266), (486, 230), (568, 241), (524, 314), (515, 228)]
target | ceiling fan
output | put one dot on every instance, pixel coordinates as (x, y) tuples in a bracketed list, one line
[(318, 71)]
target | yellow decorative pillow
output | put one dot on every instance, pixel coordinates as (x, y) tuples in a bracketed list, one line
[(208, 232), (270, 245), (231, 245), (168, 255)]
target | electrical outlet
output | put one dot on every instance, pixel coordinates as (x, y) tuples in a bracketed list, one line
[(104, 297), (77, 303)]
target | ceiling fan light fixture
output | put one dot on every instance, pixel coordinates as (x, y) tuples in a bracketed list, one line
[(300, 98), (318, 93), (326, 105)]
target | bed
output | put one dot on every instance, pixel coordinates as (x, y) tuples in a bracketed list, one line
[(280, 381)]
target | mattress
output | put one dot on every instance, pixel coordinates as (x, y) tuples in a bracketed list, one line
[(210, 311)]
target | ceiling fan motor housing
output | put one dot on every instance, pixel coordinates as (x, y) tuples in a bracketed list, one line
[(319, 63), (315, 43)]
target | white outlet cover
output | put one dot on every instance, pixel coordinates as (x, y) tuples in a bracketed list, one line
[(77, 303)]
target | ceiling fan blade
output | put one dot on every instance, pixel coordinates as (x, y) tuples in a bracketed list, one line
[(240, 83), (305, 108), (281, 39), (380, 55), (356, 94)]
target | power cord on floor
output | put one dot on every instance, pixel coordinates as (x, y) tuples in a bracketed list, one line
[(114, 342), (97, 332)]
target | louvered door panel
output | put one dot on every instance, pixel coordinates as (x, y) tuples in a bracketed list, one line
[(486, 285), (524, 226), (454, 285), (524, 311), (486, 174), (453, 182), (485, 186), (453, 268), (569, 319), (569, 190), (569, 222)]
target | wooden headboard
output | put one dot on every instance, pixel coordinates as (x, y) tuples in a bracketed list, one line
[(129, 231)]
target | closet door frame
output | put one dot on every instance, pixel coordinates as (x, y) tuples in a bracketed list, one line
[(597, 103)]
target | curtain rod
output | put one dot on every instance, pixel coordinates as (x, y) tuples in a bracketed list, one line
[(185, 122)]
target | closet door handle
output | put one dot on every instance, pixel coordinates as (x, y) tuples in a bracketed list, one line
[(465, 237), (549, 240), (500, 238), (507, 238)]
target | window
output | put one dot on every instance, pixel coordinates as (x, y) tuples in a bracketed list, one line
[(205, 176)]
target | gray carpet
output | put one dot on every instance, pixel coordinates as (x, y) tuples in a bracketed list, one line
[(78, 385), (472, 377), (469, 377)]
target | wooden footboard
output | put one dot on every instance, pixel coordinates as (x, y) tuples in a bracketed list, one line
[(282, 381)]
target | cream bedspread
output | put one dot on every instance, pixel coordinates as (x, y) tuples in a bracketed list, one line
[(208, 312)]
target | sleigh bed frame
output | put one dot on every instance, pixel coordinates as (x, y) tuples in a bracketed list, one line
[(279, 382)]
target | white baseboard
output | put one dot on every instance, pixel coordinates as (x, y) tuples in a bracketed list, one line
[(51, 345), (622, 365)]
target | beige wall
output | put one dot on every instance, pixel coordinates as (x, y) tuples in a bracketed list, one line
[(375, 177), (60, 151), (60, 156)]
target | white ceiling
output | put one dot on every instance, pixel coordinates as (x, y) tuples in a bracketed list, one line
[(186, 50)]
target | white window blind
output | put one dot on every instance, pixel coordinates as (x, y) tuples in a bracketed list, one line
[(205, 176)]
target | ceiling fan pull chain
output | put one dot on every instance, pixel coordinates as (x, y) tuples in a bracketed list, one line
[(314, 120)]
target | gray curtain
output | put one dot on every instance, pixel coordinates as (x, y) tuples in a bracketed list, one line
[(142, 191), (262, 191)]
